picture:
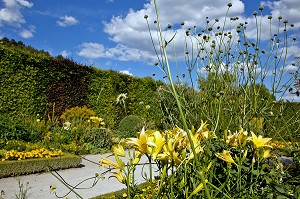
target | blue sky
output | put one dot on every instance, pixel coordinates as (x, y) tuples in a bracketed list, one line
[(112, 34)]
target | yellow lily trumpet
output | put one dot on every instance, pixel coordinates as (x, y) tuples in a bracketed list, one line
[(119, 150), (120, 177), (108, 162), (142, 142), (225, 155), (259, 141)]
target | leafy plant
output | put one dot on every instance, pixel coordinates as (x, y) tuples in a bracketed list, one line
[(129, 125), (77, 115)]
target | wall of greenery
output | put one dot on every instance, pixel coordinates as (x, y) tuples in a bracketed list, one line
[(32, 82)]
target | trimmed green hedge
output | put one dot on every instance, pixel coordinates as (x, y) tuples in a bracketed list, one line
[(29, 166)]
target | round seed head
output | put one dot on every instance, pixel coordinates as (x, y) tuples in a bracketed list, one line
[(261, 7), (254, 13), (169, 26), (270, 17), (229, 5), (280, 17), (182, 23), (286, 21)]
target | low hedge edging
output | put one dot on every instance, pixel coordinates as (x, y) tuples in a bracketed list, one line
[(29, 166)]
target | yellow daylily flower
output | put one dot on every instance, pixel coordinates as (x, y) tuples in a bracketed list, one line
[(267, 154), (238, 138), (260, 141), (197, 145), (105, 161), (118, 174), (158, 140), (137, 157), (141, 143), (204, 132), (198, 188), (119, 150), (225, 155)]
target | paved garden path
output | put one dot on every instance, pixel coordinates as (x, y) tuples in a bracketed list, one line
[(39, 184)]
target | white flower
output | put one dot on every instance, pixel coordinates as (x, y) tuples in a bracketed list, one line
[(121, 98)]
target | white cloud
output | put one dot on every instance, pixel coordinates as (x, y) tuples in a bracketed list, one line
[(126, 72), (92, 50), (27, 33), (120, 52), (288, 9), (65, 53), (291, 68), (11, 13), (290, 97), (67, 21), (131, 30)]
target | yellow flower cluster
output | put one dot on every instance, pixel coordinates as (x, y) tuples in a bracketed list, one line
[(97, 120), (170, 146), (38, 153), (146, 192), (282, 145)]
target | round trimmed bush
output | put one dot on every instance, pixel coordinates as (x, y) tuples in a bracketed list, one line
[(129, 125)]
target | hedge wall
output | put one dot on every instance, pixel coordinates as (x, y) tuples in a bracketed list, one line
[(32, 82), (23, 81)]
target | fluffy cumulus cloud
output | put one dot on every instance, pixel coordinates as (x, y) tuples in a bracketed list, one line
[(120, 52), (65, 53), (126, 72), (131, 35), (67, 21), (27, 33), (11, 13)]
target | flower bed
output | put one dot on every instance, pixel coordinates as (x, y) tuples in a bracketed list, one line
[(35, 165)]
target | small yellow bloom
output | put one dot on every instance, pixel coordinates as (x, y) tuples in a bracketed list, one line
[(118, 174), (225, 155), (260, 141), (158, 140), (124, 195), (142, 142), (105, 161), (197, 189), (119, 150), (267, 154)]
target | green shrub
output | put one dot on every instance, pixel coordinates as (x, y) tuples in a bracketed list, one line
[(22, 128), (77, 115), (129, 125), (19, 145), (16, 145), (99, 138)]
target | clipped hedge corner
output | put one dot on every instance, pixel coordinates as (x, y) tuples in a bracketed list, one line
[(29, 166)]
